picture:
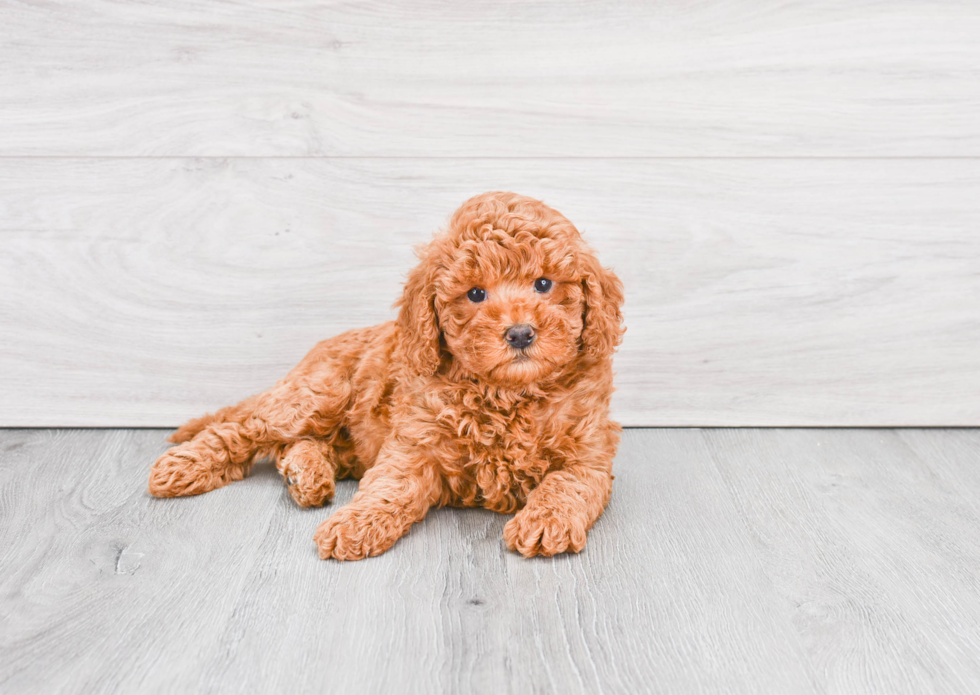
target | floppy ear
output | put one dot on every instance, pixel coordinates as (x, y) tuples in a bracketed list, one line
[(602, 328), (417, 317)]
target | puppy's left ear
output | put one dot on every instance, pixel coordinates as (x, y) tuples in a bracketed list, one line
[(602, 328), (417, 317)]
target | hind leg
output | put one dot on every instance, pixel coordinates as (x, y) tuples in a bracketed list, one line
[(217, 455), (309, 468), (223, 450), (309, 404)]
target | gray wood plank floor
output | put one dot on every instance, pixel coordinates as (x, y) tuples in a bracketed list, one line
[(729, 561)]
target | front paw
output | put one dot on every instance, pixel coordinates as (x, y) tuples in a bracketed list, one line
[(544, 531), (358, 531)]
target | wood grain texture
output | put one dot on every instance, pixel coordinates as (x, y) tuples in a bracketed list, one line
[(735, 561), (759, 292), (107, 590), (490, 78), (872, 539)]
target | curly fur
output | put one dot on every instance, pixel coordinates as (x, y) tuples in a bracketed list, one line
[(435, 408)]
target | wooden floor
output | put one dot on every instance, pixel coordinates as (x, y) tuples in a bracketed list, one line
[(729, 561)]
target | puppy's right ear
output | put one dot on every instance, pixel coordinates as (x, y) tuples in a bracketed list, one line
[(417, 316)]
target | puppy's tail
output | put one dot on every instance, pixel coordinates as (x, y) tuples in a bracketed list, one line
[(189, 430), (232, 413)]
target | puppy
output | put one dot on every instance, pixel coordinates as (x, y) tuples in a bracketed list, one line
[(491, 389)]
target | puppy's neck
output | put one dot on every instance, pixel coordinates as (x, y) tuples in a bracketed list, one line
[(508, 396)]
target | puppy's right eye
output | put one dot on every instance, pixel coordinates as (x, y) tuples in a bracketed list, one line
[(476, 295)]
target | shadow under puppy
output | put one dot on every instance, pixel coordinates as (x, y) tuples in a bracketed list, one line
[(491, 389)]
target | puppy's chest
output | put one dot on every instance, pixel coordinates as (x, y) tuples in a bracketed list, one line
[(504, 455)]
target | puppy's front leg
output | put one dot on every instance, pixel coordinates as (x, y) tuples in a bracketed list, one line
[(394, 494), (560, 511)]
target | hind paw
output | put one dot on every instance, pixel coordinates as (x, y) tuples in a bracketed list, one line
[(309, 475), (184, 470)]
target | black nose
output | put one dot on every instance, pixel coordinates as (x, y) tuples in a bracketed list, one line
[(519, 336)]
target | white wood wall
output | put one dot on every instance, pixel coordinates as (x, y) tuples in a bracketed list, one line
[(192, 194)]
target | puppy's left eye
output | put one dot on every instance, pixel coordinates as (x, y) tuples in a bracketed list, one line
[(476, 295), (542, 285)]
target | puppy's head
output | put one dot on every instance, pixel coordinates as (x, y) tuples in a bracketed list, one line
[(511, 292)]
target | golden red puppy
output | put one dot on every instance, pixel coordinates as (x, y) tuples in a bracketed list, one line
[(491, 389)]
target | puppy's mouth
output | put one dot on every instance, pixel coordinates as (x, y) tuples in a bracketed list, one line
[(526, 353)]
